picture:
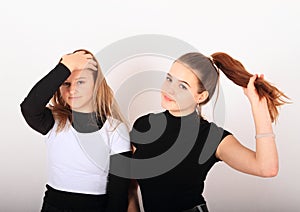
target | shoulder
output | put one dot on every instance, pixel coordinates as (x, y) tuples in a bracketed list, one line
[(143, 118), (116, 128), (112, 124), (144, 122), (118, 136), (213, 135), (56, 134), (213, 129)]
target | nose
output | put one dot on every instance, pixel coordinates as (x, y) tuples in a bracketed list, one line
[(72, 88), (169, 88)]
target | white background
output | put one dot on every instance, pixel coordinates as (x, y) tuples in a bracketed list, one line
[(263, 35)]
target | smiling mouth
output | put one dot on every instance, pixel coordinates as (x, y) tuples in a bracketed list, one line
[(74, 97), (167, 98)]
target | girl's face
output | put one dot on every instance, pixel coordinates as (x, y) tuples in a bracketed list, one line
[(179, 92), (77, 91)]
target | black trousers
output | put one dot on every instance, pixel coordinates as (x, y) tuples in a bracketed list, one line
[(62, 201)]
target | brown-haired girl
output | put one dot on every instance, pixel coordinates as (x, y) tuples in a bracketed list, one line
[(190, 83)]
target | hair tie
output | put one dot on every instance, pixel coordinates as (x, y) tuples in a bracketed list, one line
[(263, 135), (213, 63)]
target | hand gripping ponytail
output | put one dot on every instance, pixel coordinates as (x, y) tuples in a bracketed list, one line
[(236, 72)]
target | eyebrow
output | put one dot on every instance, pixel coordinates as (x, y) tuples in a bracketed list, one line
[(76, 79), (179, 80), (80, 78)]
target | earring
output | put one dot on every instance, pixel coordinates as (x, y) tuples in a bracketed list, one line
[(198, 109)]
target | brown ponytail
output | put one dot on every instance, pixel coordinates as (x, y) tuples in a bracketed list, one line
[(236, 72)]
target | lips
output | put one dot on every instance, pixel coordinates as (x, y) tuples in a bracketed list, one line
[(73, 97), (167, 98)]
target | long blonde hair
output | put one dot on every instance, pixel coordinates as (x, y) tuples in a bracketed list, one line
[(104, 103)]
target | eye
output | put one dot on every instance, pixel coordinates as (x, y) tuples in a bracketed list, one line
[(168, 79), (66, 84), (182, 86), (79, 82)]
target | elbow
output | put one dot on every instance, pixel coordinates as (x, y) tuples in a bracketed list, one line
[(269, 172)]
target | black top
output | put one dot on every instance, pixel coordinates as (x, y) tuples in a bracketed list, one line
[(40, 118), (181, 141)]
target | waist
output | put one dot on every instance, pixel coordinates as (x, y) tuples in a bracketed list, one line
[(64, 199), (74, 181), (171, 200)]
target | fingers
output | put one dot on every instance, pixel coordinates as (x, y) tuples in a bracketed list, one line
[(251, 81), (262, 76), (91, 65), (84, 54), (80, 60), (251, 91), (253, 78)]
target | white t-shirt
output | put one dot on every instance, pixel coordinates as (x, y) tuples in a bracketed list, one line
[(78, 162)]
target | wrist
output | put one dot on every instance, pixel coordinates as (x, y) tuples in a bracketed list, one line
[(260, 107), (64, 60), (258, 102), (65, 64)]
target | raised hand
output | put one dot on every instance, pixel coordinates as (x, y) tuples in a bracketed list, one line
[(251, 91), (79, 60)]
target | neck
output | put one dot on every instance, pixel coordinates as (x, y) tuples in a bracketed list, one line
[(181, 113), (86, 122)]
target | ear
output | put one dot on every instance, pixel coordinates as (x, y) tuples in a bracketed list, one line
[(202, 97)]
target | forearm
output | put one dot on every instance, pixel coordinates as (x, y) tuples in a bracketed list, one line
[(118, 186), (43, 91), (118, 197), (133, 205), (33, 107), (266, 151)]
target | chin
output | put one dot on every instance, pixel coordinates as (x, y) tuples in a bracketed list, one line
[(163, 104), (166, 106), (74, 106)]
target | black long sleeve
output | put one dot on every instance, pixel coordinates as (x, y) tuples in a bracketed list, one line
[(118, 186), (37, 115)]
